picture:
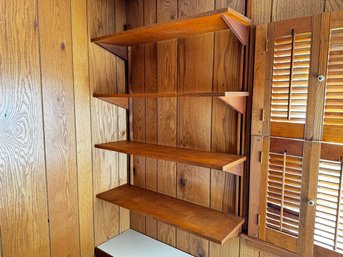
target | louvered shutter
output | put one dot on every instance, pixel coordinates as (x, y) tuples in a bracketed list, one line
[(283, 166), (285, 163), (333, 110), (328, 231), (290, 59)]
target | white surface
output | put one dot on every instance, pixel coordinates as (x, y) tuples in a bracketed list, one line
[(134, 244)]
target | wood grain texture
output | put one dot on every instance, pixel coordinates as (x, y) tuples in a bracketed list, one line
[(187, 216), (195, 60), (246, 251), (261, 13), (137, 85), (167, 82), (120, 12), (309, 184), (289, 9), (333, 5), (83, 126), (255, 184), (59, 124), (23, 194), (103, 79), (205, 159), (267, 249), (151, 121), (316, 89), (259, 80)]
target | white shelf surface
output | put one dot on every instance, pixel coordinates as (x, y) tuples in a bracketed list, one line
[(134, 244)]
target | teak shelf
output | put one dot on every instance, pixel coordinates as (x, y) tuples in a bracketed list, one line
[(235, 99), (220, 161), (217, 20), (205, 222), (202, 221)]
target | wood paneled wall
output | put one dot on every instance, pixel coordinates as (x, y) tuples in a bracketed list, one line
[(49, 171)]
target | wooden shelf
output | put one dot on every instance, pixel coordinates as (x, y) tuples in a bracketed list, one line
[(217, 20), (144, 246), (220, 161), (204, 222), (236, 100)]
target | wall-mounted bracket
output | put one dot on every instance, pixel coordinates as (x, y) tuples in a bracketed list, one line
[(120, 51), (241, 31), (237, 100)]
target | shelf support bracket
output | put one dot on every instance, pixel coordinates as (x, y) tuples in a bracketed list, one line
[(236, 102), (241, 31), (122, 102), (120, 51)]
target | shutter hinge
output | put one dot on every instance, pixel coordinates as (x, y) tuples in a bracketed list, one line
[(260, 156), (262, 114), (266, 46), (258, 219)]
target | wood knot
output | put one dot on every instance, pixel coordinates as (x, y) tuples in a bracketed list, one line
[(182, 182), (63, 46)]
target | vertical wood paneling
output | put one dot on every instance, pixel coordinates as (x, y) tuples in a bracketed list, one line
[(167, 82), (151, 121), (261, 13), (82, 126), (23, 193), (333, 5), (59, 126), (289, 9), (120, 14), (137, 85), (195, 62), (103, 79)]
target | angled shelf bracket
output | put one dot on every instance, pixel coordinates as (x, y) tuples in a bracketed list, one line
[(241, 31), (237, 101), (120, 51)]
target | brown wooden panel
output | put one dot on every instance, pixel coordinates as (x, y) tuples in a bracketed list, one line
[(59, 124), (101, 20), (261, 13), (285, 9), (332, 133), (187, 216), (82, 126), (203, 23), (255, 244), (323, 252), (137, 109), (206, 159), (288, 130), (281, 240), (151, 109), (331, 152), (255, 184), (195, 60), (316, 90), (309, 185), (292, 147), (23, 194), (167, 121), (333, 5), (259, 80)]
